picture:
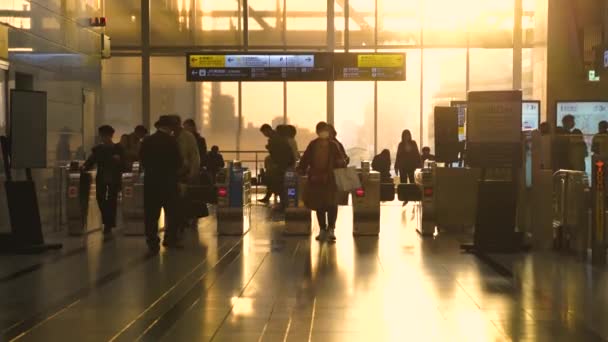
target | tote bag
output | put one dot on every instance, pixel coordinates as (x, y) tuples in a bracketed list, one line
[(347, 179)]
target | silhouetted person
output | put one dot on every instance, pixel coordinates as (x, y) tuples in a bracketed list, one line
[(291, 133), (600, 139), (215, 162), (570, 149), (161, 161), (544, 128), (282, 158), (408, 158), (382, 164), (110, 161), (131, 143), (333, 135), (189, 173), (426, 154), (190, 126), (320, 159)]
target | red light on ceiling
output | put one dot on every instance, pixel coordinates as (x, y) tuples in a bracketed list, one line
[(222, 192), (360, 192)]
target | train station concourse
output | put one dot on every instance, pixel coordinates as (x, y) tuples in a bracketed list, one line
[(319, 170)]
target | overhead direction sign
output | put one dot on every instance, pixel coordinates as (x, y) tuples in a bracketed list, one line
[(306, 66)]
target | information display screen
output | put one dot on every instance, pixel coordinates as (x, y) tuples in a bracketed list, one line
[(462, 113), (530, 115), (259, 67), (369, 67), (587, 116)]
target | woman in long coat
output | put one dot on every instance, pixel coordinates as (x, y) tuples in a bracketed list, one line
[(320, 159)]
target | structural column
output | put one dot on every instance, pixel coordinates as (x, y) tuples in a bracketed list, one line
[(145, 62), (517, 44), (331, 37)]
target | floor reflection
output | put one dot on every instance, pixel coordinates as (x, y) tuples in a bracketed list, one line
[(266, 286)]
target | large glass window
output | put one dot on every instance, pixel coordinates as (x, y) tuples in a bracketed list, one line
[(362, 22), (399, 106), (172, 22), (354, 119), (491, 69), (307, 22), (121, 91), (218, 22), (444, 81), (262, 103), (306, 106), (124, 25), (218, 114), (170, 93), (266, 22), (399, 22)]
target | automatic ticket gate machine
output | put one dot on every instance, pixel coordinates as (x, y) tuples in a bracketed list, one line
[(82, 214), (297, 216), (233, 212), (425, 179), (133, 201), (132, 205), (366, 202)]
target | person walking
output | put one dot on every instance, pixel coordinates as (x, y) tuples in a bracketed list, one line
[(333, 135), (408, 158), (161, 162), (291, 132), (189, 172), (382, 164), (215, 161), (321, 157), (282, 158), (190, 126), (110, 161), (131, 143)]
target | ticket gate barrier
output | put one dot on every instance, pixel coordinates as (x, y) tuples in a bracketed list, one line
[(570, 223), (424, 182), (82, 213), (233, 184), (366, 203), (297, 216), (132, 204)]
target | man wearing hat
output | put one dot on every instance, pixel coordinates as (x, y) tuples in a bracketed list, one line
[(161, 162)]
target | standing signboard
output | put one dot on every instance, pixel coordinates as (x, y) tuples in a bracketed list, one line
[(494, 129)]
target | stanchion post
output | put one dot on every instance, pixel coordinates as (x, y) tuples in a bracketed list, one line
[(598, 251)]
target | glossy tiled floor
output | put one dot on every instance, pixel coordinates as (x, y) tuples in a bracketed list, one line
[(268, 287)]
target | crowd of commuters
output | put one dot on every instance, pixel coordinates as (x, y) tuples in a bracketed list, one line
[(174, 159)]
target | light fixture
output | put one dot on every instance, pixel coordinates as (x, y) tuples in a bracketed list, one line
[(20, 49)]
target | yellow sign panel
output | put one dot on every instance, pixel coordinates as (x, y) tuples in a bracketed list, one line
[(380, 61), (3, 41), (207, 61)]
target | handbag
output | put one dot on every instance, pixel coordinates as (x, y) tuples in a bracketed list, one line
[(347, 179)]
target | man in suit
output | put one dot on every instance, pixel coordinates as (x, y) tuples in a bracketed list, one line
[(161, 162)]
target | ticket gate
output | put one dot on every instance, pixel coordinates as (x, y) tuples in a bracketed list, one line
[(427, 221), (366, 202), (297, 216), (82, 213), (132, 205), (233, 212)]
